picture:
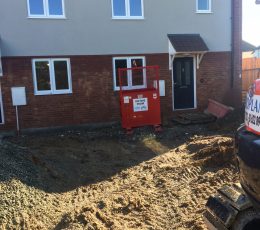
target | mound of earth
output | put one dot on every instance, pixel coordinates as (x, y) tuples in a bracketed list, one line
[(80, 182)]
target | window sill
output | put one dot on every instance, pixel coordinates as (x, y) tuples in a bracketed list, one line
[(51, 94), (128, 18), (204, 12), (47, 17)]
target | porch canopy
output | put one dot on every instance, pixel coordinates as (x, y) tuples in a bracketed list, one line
[(186, 45), (1, 69)]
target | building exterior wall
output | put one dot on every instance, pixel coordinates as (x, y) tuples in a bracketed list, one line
[(90, 30), (257, 53), (93, 99), (249, 54), (90, 40)]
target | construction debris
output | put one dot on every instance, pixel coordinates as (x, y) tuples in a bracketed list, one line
[(194, 118), (217, 109)]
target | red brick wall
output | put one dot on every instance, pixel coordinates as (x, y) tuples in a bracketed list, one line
[(213, 78), (93, 99)]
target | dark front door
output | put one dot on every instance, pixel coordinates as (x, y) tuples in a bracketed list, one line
[(183, 80)]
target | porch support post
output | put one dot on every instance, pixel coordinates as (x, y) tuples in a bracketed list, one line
[(171, 59), (199, 58), (172, 53)]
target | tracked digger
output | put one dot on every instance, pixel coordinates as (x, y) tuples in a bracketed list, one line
[(237, 206)]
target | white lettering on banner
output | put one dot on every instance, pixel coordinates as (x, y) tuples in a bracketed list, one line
[(140, 105), (252, 112)]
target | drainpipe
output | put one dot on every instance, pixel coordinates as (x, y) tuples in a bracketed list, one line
[(232, 44), (236, 26)]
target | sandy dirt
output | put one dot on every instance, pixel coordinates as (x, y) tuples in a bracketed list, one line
[(102, 179)]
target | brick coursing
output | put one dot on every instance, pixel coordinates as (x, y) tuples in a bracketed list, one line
[(93, 99)]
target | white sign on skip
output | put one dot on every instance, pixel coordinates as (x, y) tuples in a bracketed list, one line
[(252, 112), (140, 104)]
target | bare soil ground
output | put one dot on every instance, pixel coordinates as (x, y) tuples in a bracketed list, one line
[(102, 179)]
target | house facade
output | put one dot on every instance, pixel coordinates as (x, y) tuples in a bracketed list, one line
[(247, 50), (66, 55), (256, 52)]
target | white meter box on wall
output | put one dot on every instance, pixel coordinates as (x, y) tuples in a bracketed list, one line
[(18, 96)]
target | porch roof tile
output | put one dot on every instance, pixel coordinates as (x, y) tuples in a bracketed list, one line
[(183, 43)]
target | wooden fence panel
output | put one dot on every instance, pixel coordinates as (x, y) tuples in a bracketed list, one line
[(250, 72), (249, 76)]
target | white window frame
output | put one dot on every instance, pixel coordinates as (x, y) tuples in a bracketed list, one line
[(204, 11), (129, 76), (127, 10), (46, 11), (53, 89), (1, 107)]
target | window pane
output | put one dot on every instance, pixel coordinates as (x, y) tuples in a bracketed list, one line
[(187, 73), (36, 7), (137, 75), (135, 7), (55, 7), (121, 64), (203, 4), (61, 75), (119, 8), (42, 75), (178, 72)]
